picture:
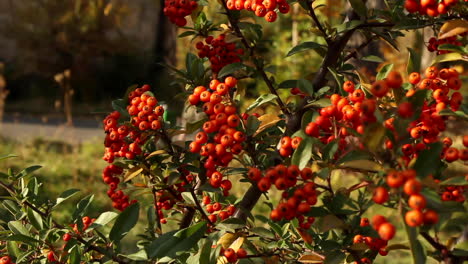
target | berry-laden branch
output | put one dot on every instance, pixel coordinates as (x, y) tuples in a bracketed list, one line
[(251, 49), (448, 257)]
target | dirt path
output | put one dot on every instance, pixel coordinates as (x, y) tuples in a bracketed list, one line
[(29, 131)]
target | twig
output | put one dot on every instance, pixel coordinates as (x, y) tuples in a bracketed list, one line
[(316, 21), (251, 50)]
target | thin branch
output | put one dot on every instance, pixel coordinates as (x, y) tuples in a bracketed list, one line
[(251, 50), (314, 17)]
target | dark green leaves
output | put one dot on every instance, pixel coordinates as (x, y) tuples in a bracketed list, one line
[(65, 196), (306, 46), (120, 105), (384, 72), (28, 171), (414, 61), (230, 69), (263, 99), (428, 160), (125, 222), (303, 153), (172, 243), (305, 86), (359, 7)]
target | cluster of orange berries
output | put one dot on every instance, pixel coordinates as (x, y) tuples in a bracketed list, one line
[(288, 144), (296, 203), (87, 221), (120, 201), (418, 214), (219, 52), (216, 210), (232, 256), (354, 111), (177, 10), (219, 139), (431, 8), (434, 43), (451, 154), (453, 193), (261, 8), (6, 260), (385, 230)]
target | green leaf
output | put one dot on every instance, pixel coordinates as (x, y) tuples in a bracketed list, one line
[(103, 220), (265, 98), (187, 33), (428, 160), (328, 152), (138, 256), (13, 248), (417, 250), (262, 232), (66, 195), (287, 84), (120, 105), (27, 171), (451, 47), (303, 47), (35, 219), (348, 26), (372, 58), (338, 77), (8, 156), (22, 238), (82, 206), (305, 86), (303, 153), (359, 7), (382, 74), (334, 257), (75, 255), (414, 61), (459, 181), (125, 222), (18, 227), (230, 69), (449, 57), (171, 243), (231, 224)]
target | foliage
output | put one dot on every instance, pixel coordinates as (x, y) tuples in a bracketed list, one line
[(386, 134)]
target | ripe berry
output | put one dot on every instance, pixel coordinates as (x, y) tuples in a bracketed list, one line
[(380, 195), (414, 218), (386, 231)]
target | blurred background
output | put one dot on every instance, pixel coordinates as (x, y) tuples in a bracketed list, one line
[(63, 62)]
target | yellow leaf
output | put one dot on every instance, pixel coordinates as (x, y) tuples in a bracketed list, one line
[(156, 153), (227, 239), (132, 173), (222, 260), (237, 243), (365, 165), (373, 136), (331, 222), (452, 28), (310, 259), (267, 121)]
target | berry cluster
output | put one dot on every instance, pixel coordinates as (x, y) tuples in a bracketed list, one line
[(262, 8), (288, 144), (219, 139), (297, 199), (354, 111), (177, 10), (385, 230), (125, 140), (434, 43), (216, 209), (430, 124), (453, 193), (451, 154), (232, 256), (110, 174), (219, 52), (431, 8), (6, 260), (418, 214)]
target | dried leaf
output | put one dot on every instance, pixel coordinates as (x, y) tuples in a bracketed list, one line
[(365, 165), (132, 173), (267, 121), (156, 153), (453, 28), (310, 259)]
